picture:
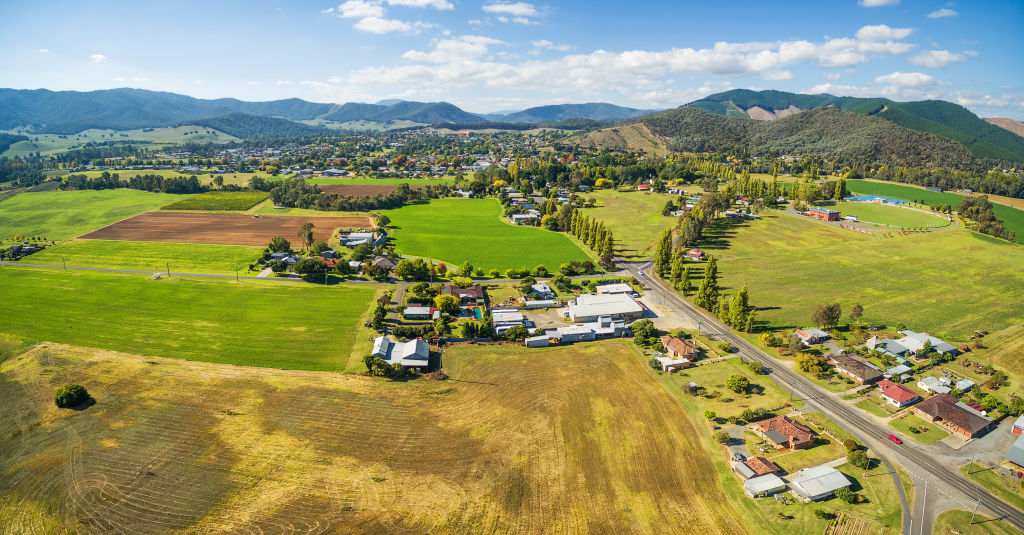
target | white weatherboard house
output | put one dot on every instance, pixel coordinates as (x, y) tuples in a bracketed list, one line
[(818, 482), (412, 354), (591, 307), (765, 485)]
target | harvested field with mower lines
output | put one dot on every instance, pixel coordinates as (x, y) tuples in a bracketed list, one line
[(558, 441), (362, 190), (222, 229)]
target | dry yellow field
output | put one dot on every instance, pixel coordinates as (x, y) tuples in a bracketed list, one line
[(568, 440)]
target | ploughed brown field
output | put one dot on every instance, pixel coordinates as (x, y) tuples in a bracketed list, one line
[(361, 190), (222, 229)]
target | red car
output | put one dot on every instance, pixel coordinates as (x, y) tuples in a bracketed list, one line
[(895, 439)]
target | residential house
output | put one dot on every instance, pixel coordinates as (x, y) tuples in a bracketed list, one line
[(384, 262), (533, 304), (915, 341), (856, 369), (1018, 425), (354, 239), (786, 433), (1015, 454), (695, 254), (762, 466), (900, 371), (418, 313), (617, 288), (473, 294), (766, 485), (896, 394), (669, 364), (413, 354), (524, 219), (329, 253), (966, 420), (574, 333), (886, 346), (679, 348), (934, 384), (541, 291), (537, 341), (742, 469), (590, 307), (643, 187), (964, 385), (506, 318), (823, 214), (818, 482), (812, 336)]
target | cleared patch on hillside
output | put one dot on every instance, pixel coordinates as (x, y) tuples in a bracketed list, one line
[(527, 441), (629, 137)]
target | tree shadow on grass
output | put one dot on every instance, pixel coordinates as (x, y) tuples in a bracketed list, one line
[(84, 405)]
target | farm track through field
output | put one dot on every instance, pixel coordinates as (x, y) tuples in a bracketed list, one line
[(513, 443), (222, 229)]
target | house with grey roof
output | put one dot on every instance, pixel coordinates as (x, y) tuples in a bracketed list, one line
[(766, 485), (591, 307), (818, 482), (413, 354), (915, 341), (1016, 452)]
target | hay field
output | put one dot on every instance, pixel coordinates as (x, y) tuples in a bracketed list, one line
[(568, 440)]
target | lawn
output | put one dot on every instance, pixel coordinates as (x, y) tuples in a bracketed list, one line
[(155, 256), (791, 264), (60, 215), (459, 230), (220, 200), (245, 323), (873, 408), (929, 433), (959, 523), (766, 394), (633, 217), (566, 440), (890, 215), (1012, 218), (993, 480)]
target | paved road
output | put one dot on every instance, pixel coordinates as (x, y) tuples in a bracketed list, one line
[(920, 464)]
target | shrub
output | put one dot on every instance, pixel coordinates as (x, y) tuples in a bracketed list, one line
[(710, 415), (756, 367), (846, 495), (721, 437), (726, 347), (850, 444), (823, 514), (71, 395)]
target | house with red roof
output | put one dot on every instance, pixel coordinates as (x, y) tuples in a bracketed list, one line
[(695, 254), (785, 432), (896, 394)]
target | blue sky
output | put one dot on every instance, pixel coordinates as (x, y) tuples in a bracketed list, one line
[(502, 54)]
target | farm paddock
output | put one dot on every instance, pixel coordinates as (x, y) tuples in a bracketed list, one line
[(516, 443), (221, 229), (362, 190)]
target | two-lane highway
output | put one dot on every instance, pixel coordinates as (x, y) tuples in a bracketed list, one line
[(918, 463)]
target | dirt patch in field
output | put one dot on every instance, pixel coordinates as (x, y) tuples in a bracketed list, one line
[(222, 229), (362, 190)]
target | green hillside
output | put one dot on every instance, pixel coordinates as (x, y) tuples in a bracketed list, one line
[(946, 119)]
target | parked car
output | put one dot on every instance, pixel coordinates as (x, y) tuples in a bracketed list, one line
[(738, 456), (895, 439)]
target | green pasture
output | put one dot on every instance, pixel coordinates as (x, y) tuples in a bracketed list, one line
[(1012, 218), (633, 217), (456, 230), (883, 214), (155, 256), (948, 283), (363, 181), (220, 200), (61, 215), (47, 144), (245, 323)]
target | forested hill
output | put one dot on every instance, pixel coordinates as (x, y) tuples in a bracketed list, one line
[(242, 125), (830, 132), (598, 111), (946, 119)]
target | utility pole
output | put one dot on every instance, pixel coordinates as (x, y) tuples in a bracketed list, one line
[(236, 273), (975, 511), (65, 261), (168, 270), (970, 465)]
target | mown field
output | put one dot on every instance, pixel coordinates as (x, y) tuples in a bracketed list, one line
[(60, 215), (634, 218), (1012, 218), (561, 441), (246, 323), (155, 256), (457, 230), (959, 523), (220, 200), (367, 181), (948, 282), (890, 215)]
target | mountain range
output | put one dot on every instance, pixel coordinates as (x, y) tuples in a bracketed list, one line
[(70, 112)]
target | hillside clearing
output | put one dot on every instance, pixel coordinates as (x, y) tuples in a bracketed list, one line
[(247, 323), (557, 441), (460, 230)]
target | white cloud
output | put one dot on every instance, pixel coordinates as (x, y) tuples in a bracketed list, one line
[(465, 48), (197, 82), (98, 58), (354, 9), (941, 13), (139, 79), (327, 11), (436, 4), (119, 78), (878, 3), (937, 59), (906, 79), (253, 82), (832, 75), (380, 25), (43, 50), (284, 82), (475, 22), (883, 32), (519, 9), (544, 43)]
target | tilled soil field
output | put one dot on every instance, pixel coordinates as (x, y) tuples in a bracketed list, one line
[(223, 229), (567, 440), (361, 190)]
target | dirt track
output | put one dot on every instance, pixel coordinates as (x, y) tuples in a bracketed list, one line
[(221, 229)]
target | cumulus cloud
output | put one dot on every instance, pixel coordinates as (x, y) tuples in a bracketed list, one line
[(937, 59), (353, 9), (43, 50), (98, 58), (372, 19), (942, 13), (544, 43), (380, 25), (519, 9), (906, 79), (878, 3), (436, 4), (284, 82), (882, 32)]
